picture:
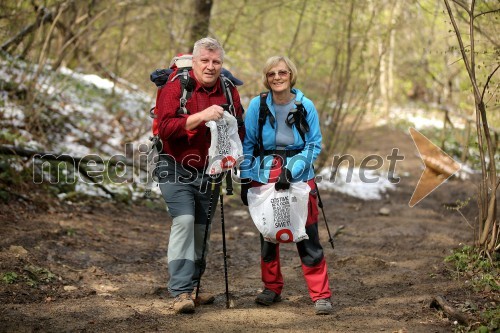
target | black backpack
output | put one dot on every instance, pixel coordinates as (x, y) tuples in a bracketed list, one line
[(179, 69), (297, 116)]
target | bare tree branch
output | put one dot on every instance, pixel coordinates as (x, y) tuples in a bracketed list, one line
[(479, 30), (488, 81), (472, 42), (297, 30), (463, 5), (44, 16), (487, 12), (462, 48), (79, 33), (232, 25)]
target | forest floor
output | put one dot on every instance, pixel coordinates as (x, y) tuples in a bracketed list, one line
[(100, 266)]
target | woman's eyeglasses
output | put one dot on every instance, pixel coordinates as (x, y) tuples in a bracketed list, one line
[(281, 73)]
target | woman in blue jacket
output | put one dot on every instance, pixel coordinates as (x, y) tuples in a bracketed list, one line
[(282, 141)]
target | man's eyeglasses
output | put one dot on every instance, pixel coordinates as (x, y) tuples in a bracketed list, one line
[(281, 73)]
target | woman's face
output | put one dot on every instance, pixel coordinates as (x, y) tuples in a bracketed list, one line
[(278, 78)]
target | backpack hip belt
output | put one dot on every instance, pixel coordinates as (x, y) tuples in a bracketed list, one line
[(281, 152)]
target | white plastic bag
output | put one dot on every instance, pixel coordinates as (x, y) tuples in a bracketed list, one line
[(226, 151), (280, 216)]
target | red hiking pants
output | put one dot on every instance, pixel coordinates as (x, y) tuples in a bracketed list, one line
[(310, 250)]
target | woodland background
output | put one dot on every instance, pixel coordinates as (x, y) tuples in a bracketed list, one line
[(354, 58), (372, 67)]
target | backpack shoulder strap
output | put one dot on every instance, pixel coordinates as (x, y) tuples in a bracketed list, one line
[(300, 119), (187, 87), (264, 112), (226, 87)]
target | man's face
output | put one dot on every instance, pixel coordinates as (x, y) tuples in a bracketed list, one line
[(207, 66)]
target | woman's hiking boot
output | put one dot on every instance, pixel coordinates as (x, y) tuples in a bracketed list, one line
[(267, 297), (323, 306), (183, 303)]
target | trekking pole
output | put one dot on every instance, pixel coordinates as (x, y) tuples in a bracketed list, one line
[(213, 184), (221, 196), (320, 204)]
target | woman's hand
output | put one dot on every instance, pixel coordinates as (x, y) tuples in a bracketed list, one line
[(284, 180), (245, 186)]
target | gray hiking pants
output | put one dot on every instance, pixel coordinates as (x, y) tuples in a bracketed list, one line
[(187, 194)]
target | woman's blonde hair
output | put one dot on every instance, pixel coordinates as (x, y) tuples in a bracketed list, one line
[(273, 61)]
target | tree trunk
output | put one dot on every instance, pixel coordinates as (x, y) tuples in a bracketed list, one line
[(487, 198), (201, 21)]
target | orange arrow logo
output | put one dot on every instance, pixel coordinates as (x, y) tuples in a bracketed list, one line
[(439, 166)]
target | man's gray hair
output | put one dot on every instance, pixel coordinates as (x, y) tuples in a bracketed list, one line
[(208, 43)]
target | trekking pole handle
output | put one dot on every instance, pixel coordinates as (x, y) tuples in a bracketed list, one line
[(229, 183)]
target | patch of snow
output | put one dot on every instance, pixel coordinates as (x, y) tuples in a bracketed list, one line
[(90, 189), (356, 182), (420, 118)]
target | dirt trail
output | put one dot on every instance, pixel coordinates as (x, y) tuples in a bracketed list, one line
[(110, 271)]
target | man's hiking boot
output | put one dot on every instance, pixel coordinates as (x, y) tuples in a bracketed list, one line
[(203, 298), (323, 306), (183, 303), (267, 297)]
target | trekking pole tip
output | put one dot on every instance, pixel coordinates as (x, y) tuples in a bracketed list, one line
[(231, 304)]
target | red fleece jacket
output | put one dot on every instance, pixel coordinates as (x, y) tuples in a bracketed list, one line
[(189, 147)]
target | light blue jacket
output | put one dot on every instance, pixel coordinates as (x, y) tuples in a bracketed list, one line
[(300, 165)]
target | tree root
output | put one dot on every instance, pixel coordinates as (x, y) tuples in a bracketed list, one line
[(440, 303)]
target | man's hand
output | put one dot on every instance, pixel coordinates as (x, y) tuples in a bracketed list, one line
[(213, 112), (284, 180)]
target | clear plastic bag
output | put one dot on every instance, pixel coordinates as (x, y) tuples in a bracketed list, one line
[(280, 216), (226, 151)]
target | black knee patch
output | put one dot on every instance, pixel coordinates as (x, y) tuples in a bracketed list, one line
[(310, 250), (267, 250)]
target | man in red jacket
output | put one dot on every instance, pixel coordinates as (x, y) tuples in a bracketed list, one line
[(182, 178)]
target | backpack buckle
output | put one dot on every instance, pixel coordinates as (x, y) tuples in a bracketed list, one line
[(152, 113), (182, 110)]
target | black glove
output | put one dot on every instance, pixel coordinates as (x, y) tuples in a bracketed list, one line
[(245, 185), (284, 180)]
